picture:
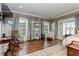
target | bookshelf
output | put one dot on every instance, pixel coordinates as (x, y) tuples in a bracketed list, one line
[(36, 29)]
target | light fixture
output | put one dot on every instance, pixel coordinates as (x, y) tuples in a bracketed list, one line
[(20, 6)]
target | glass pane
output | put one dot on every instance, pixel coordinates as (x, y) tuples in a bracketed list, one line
[(71, 27), (23, 27), (46, 28), (66, 26), (60, 28)]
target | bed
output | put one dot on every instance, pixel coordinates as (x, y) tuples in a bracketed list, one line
[(68, 40)]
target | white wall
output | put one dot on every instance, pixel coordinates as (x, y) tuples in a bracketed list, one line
[(53, 29)]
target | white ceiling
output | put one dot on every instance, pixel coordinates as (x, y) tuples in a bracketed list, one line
[(44, 9)]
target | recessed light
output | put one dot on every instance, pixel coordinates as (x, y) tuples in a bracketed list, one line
[(20, 6)]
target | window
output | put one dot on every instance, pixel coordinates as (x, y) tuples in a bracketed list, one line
[(66, 26), (5, 28), (8, 29), (60, 28), (46, 28), (70, 27), (23, 26)]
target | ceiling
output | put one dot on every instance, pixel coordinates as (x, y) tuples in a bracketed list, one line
[(44, 9)]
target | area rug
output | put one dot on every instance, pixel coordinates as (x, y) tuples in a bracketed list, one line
[(56, 50)]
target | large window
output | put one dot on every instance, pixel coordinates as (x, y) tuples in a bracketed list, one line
[(46, 28), (8, 29), (66, 26), (69, 27), (60, 28), (23, 27), (5, 28)]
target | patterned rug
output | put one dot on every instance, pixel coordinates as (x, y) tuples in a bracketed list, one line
[(56, 50)]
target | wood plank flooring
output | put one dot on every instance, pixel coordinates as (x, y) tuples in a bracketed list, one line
[(35, 45)]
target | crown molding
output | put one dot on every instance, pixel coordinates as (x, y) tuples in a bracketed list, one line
[(67, 13), (28, 14)]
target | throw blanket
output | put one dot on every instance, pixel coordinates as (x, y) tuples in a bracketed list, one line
[(68, 40)]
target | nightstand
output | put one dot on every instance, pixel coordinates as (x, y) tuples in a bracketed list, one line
[(73, 50)]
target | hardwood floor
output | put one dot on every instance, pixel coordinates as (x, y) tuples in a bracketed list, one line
[(35, 45)]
